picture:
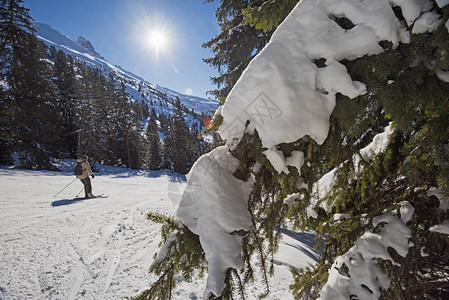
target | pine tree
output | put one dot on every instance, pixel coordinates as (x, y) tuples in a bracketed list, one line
[(234, 46), (168, 146), (268, 15), (145, 109), (196, 143), (28, 104), (65, 82), (87, 95), (405, 88), (128, 144), (155, 145), (122, 101), (107, 119), (180, 138)]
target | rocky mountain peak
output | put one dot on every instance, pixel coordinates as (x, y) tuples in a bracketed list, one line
[(82, 41)]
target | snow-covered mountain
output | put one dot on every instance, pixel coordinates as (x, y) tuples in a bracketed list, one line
[(161, 98), (88, 45)]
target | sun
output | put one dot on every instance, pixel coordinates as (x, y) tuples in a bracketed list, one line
[(157, 39), (157, 36)]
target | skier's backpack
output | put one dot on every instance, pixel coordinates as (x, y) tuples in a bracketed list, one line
[(78, 170)]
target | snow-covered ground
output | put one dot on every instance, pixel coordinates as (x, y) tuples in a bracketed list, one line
[(64, 247)]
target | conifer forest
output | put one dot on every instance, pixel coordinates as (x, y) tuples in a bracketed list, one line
[(55, 106)]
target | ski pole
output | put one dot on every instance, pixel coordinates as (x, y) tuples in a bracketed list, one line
[(65, 187), (79, 192)]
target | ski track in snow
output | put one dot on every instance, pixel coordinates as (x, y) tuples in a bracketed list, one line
[(60, 248)]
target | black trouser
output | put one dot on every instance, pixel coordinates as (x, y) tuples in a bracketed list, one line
[(87, 186)]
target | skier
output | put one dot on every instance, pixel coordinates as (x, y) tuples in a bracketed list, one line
[(84, 177)]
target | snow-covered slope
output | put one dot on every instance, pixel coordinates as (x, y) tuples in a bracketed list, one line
[(160, 98), (67, 248)]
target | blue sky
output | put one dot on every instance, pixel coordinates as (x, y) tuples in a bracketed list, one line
[(118, 31)]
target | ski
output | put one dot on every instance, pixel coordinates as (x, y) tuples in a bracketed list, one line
[(101, 196), (95, 196)]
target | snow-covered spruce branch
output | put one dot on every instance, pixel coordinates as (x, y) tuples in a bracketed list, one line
[(357, 272), (283, 96), (161, 289)]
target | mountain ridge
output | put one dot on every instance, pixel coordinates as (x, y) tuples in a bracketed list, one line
[(138, 88), (82, 41)]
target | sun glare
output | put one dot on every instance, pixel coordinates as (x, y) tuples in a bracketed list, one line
[(157, 39), (157, 36)]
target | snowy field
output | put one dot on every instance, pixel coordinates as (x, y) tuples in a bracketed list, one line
[(64, 247)]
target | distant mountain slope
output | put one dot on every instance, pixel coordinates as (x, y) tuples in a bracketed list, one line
[(160, 98)]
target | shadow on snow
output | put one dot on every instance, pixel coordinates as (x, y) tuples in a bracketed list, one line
[(306, 238), (67, 201)]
